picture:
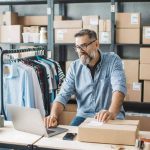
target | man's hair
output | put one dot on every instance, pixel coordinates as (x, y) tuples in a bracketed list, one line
[(90, 33)]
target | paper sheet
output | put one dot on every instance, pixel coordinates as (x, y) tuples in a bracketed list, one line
[(95, 123)]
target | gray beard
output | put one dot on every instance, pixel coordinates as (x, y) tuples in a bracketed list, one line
[(85, 59)]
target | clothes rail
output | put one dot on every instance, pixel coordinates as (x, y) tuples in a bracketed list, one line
[(12, 51)]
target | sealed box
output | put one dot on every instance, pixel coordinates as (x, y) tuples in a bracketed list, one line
[(33, 20), (68, 24), (146, 91), (10, 18), (65, 35), (113, 132), (128, 36), (144, 71), (11, 34), (90, 20), (58, 18), (104, 37), (128, 20), (146, 35), (104, 26), (134, 92), (145, 55), (131, 68)]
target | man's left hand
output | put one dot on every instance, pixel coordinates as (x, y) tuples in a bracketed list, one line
[(104, 116)]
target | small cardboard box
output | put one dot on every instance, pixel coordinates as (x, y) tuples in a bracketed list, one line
[(65, 35), (33, 20), (128, 36), (146, 91), (104, 26), (90, 20), (104, 37), (114, 132), (144, 71), (145, 55), (10, 18), (11, 34), (128, 20), (134, 92), (131, 68), (68, 24)]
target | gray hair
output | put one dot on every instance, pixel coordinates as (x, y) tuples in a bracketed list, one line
[(91, 34)]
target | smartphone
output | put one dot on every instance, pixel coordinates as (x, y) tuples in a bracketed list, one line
[(69, 136)]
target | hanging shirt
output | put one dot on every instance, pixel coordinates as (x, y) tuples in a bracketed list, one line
[(94, 95)]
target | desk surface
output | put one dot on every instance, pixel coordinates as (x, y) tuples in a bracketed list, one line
[(56, 142), (11, 136)]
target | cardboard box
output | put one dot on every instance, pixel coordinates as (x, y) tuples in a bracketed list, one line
[(66, 117), (68, 63), (33, 20), (65, 35), (11, 34), (10, 18), (68, 24), (71, 107), (91, 27), (144, 71), (128, 36), (144, 120), (58, 18), (146, 91), (131, 68), (128, 20), (35, 29), (134, 92), (145, 55), (104, 26), (104, 37), (146, 35), (114, 132), (90, 20)]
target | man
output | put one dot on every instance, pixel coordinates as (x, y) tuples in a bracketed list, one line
[(98, 81)]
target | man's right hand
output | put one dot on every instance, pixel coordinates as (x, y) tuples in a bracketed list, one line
[(50, 121)]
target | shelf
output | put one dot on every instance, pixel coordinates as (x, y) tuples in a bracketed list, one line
[(144, 45), (23, 2), (27, 44), (57, 44)]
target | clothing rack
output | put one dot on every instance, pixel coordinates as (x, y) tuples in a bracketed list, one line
[(12, 51)]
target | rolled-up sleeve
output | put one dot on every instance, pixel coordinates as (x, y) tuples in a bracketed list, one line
[(118, 80), (68, 87)]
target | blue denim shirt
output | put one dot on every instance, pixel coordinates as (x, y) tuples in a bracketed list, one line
[(94, 95)]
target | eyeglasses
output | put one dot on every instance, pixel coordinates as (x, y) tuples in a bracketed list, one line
[(82, 47)]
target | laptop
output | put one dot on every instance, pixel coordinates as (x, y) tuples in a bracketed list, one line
[(30, 120)]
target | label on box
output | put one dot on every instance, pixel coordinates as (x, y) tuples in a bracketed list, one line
[(147, 33), (134, 19), (123, 64), (60, 34), (104, 37), (136, 86), (93, 21), (95, 123)]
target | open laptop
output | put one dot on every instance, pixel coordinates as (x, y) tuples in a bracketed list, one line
[(30, 120)]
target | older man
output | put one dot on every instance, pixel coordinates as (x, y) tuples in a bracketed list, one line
[(98, 81)]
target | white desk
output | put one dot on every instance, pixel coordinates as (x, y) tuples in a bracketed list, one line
[(11, 138), (56, 142)]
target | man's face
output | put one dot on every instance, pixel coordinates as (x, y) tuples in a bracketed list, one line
[(86, 49)]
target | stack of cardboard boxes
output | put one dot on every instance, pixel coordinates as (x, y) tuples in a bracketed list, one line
[(66, 29), (104, 31), (145, 72), (91, 22), (128, 28), (134, 88)]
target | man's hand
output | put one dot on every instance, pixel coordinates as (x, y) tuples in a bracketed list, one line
[(50, 121), (104, 116)]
